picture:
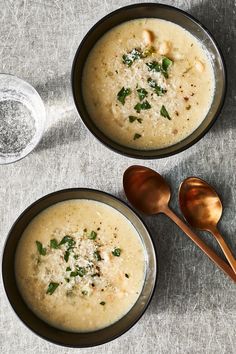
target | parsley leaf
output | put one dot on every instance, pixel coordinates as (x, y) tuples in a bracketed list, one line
[(92, 235), (133, 118), (158, 89), (142, 106), (129, 58), (97, 256), (51, 288), (142, 93), (163, 67), (54, 243), (40, 248), (69, 240), (164, 112), (137, 136), (66, 256), (116, 252), (166, 62), (81, 271), (122, 94), (154, 66)]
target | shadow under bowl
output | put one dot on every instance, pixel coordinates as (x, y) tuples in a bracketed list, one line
[(43, 329), (160, 11)]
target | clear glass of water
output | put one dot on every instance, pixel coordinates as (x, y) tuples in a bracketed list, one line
[(22, 118)]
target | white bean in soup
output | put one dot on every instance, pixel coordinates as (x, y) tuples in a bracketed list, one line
[(80, 265), (148, 83)]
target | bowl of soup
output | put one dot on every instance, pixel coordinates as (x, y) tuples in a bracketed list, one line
[(148, 80), (79, 267)]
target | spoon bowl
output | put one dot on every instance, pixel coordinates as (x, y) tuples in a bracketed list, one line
[(200, 204), (202, 208), (146, 190)]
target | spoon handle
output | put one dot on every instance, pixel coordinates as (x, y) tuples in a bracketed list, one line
[(225, 248), (197, 240)]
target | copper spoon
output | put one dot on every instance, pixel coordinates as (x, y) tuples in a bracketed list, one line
[(148, 192), (202, 208)]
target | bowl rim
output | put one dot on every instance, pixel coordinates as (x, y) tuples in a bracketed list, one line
[(10, 235), (43, 116), (136, 153)]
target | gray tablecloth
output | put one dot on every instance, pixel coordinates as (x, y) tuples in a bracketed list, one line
[(194, 307)]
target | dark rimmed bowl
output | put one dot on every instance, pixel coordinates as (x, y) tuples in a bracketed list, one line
[(42, 328), (165, 12)]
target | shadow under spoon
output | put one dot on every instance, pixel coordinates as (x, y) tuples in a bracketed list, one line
[(149, 193), (202, 208)]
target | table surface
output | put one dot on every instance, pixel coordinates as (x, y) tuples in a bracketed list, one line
[(194, 307)]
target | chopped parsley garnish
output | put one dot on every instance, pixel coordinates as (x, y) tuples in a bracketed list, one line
[(133, 118), (84, 292), (137, 136), (40, 248), (102, 303), (166, 62), (51, 288), (142, 106), (154, 66), (67, 280), (67, 240), (68, 269), (116, 252), (122, 94), (97, 256), (76, 256), (163, 67), (126, 275), (92, 235), (158, 89), (66, 256), (81, 271), (129, 58), (164, 112), (54, 243), (142, 93)]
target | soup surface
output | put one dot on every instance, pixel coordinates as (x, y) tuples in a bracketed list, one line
[(148, 83), (80, 265)]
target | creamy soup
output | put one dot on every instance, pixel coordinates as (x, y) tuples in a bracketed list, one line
[(80, 265), (148, 83)]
